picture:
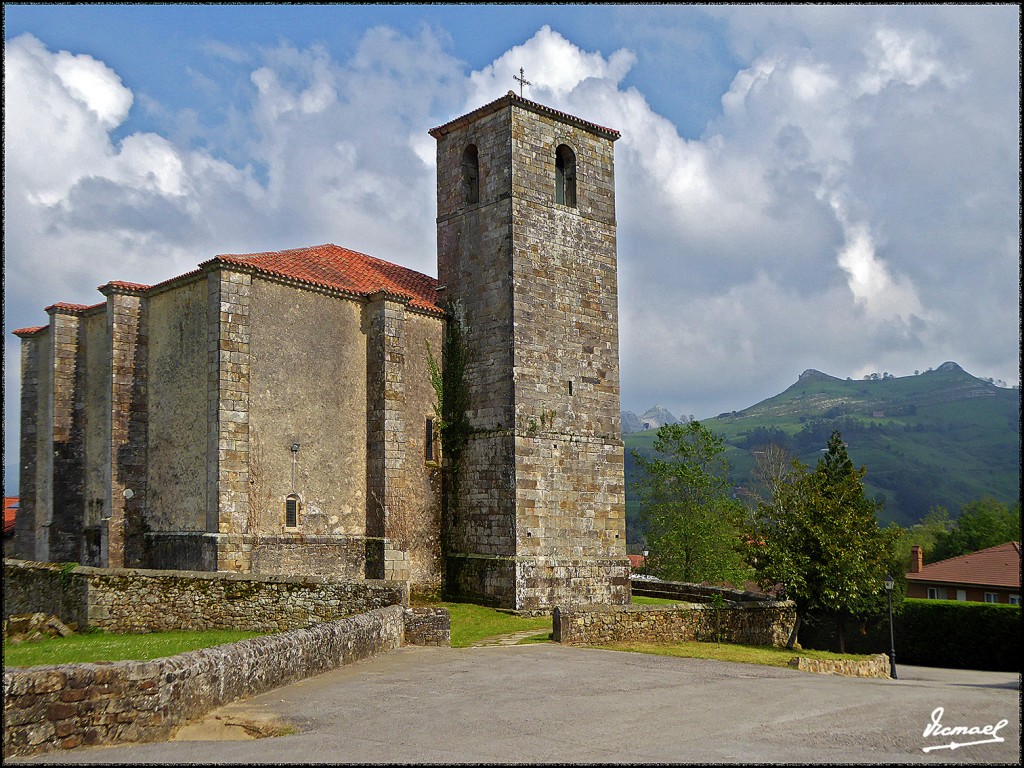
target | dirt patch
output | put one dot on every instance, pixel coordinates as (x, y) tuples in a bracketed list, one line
[(233, 727)]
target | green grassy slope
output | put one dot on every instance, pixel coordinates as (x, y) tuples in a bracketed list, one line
[(939, 438)]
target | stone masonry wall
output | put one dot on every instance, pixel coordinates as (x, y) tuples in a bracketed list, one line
[(124, 600), (474, 262), (227, 485), (876, 666), (531, 285), (128, 430), (569, 454), (385, 410), (177, 380), (62, 707), (428, 626), (42, 460), (762, 623), (97, 441), (66, 510), (25, 521)]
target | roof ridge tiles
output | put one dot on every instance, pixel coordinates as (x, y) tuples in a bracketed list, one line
[(342, 269), (69, 307)]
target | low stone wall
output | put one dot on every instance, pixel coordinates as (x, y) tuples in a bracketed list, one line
[(876, 666), (428, 626), (754, 623), (62, 707), (129, 600), (694, 593)]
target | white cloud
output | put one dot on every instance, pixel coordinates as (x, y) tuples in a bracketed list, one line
[(554, 66), (854, 200), (95, 85), (902, 58)]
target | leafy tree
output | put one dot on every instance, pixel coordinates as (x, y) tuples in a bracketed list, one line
[(761, 437), (693, 522), (818, 537), (982, 524), (925, 533)]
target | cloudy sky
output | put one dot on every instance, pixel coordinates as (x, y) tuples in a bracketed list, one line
[(797, 186)]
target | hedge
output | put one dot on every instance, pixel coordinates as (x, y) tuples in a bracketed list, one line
[(933, 633)]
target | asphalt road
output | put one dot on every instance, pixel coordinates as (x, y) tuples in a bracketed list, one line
[(549, 703)]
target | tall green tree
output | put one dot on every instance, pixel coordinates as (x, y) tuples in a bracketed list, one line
[(982, 524), (818, 537), (924, 534), (693, 524)]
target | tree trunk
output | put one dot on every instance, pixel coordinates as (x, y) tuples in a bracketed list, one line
[(793, 634), (841, 631)]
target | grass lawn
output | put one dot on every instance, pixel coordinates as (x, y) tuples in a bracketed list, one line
[(100, 646), (748, 654), (640, 600), (471, 623)]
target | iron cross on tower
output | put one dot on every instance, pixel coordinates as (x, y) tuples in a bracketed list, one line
[(522, 81)]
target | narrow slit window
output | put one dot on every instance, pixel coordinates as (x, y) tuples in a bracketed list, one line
[(565, 176), (428, 440), (291, 511), (470, 176)]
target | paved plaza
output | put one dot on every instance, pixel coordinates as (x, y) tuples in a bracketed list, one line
[(550, 703)]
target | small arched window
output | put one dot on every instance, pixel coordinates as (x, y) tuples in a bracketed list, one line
[(428, 440), (291, 511), (565, 176), (470, 176)]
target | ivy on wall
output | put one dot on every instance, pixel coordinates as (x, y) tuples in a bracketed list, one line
[(452, 395)]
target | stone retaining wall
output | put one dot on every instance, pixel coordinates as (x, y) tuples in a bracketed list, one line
[(61, 707), (130, 600), (755, 623), (876, 666)]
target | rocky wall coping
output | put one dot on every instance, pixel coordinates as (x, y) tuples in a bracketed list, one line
[(640, 586), (671, 607), (266, 578)]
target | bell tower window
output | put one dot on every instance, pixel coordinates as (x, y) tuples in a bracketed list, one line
[(565, 176), (470, 176), (291, 511)]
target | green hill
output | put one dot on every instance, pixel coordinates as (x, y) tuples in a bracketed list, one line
[(941, 438)]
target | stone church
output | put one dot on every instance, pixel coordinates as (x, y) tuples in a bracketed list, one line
[(279, 412)]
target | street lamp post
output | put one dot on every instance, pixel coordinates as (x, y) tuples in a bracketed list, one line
[(646, 553), (892, 641)]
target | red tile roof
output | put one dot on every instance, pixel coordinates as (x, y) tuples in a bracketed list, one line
[(636, 561), (64, 306), (125, 286), (993, 567), (10, 510), (332, 266), (29, 331)]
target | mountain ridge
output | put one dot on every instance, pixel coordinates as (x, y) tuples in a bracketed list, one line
[(938, 438)]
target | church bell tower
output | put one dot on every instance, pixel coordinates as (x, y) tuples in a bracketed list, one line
[(534, 511)]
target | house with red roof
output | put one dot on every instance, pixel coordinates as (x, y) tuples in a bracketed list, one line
[(10, 512), (276, 412), (988, 576)]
